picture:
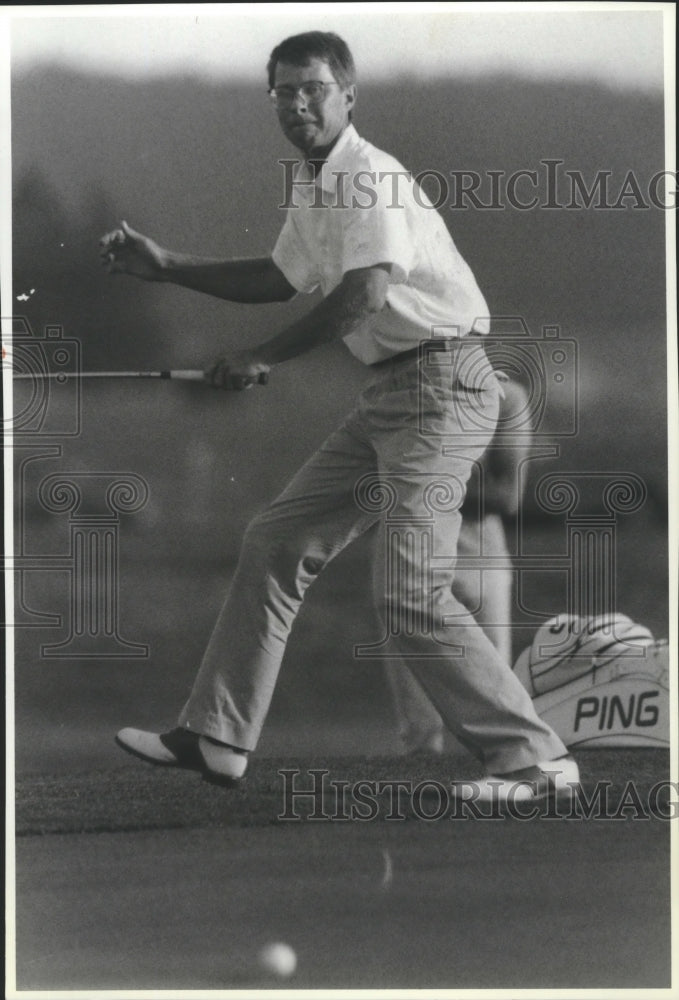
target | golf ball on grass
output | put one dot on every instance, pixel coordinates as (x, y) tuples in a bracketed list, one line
[(278, 959)]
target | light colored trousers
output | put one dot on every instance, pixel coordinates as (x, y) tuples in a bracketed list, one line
[(403, 456), (487, 593)]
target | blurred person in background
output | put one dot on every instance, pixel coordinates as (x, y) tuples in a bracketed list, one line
[(492, 498)]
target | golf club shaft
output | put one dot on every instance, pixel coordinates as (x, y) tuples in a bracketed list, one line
[(189, 375), (177, 374)]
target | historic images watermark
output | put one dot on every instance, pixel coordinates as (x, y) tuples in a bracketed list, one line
[(548, 186), (315, 796)]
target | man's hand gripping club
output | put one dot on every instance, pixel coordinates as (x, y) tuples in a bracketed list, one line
[(238, 371)]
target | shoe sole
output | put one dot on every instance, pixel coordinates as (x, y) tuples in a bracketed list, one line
[(563, 797), (210, 776), (221, 780)]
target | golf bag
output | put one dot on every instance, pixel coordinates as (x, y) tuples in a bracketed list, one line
[(599, 682)]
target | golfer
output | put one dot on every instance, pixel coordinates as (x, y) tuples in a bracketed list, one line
[(397, 292)]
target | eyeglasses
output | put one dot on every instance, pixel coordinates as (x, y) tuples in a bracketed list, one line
[(313, 92)]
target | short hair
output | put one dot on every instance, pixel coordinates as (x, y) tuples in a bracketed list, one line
[(299, 50)]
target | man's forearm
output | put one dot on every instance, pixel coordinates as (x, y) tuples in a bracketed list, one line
[(255, 280), (345, 310)]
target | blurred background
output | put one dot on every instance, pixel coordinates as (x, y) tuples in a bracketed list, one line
[(164, 121)]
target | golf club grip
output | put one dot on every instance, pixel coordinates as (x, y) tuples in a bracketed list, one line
[(187, 375), (196, 376)]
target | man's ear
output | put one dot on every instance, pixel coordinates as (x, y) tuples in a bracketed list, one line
[(350, 96)]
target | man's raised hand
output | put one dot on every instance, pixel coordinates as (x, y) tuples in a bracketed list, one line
[(125, 251)]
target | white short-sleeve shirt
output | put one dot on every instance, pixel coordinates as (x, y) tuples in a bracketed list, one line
[(364, 209)]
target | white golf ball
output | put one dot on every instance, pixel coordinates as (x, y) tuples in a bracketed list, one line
[(278, 959)]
